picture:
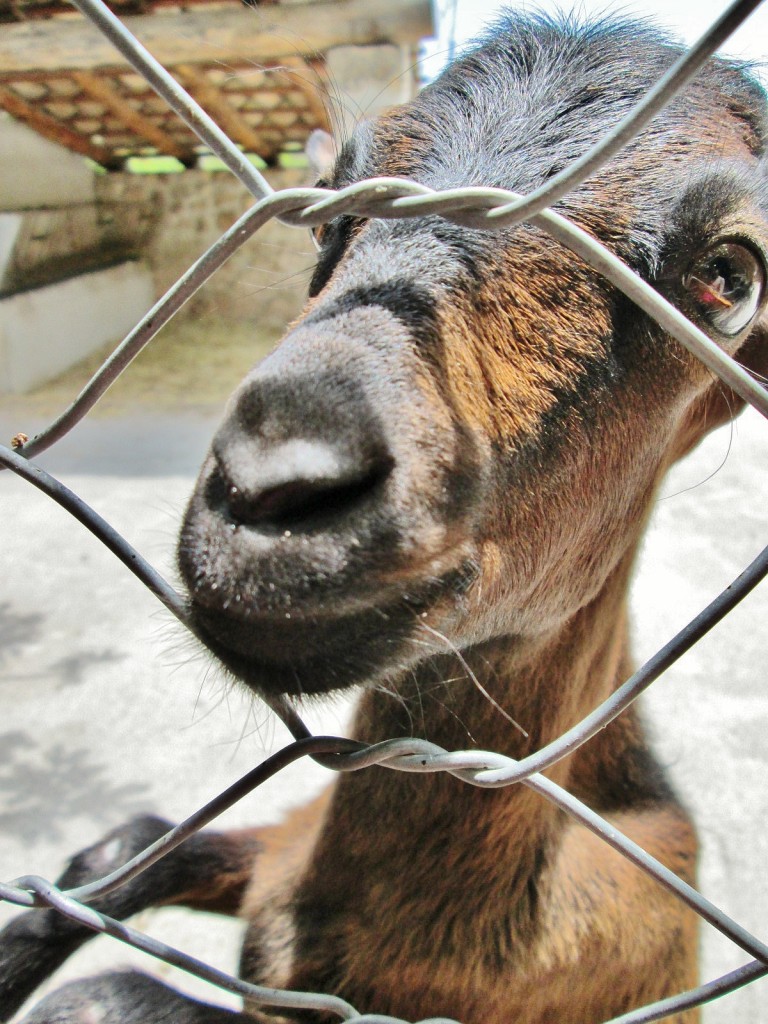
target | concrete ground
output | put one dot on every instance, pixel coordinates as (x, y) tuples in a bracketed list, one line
[(107, 710)]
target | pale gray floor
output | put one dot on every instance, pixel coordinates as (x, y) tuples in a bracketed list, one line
[(105, 710)]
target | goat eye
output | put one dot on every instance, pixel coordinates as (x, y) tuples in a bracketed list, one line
[(726, 286)]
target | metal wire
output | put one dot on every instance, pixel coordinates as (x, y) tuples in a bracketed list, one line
[(396, 198), (177, 98), (390, 198), (486, 209), (108, 536), (409, 755), (681, 72)]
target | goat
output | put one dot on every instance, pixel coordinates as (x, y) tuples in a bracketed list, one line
[(445, 470)]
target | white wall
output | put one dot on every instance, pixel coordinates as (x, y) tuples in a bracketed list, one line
[(46, 330), (35, 172)]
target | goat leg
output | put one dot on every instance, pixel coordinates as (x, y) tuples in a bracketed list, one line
[(207, 872), (126, 997)]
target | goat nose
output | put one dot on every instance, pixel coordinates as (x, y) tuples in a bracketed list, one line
[(287, 469), (296, 481)]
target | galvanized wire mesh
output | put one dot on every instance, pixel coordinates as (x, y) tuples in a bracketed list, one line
[(483, 208)]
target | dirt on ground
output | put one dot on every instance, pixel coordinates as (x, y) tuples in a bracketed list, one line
[(189, 366)]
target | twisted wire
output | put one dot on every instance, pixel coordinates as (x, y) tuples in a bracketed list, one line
[(395, 199), (484, 769)]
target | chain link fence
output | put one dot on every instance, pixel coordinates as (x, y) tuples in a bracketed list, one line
[(486, 208)]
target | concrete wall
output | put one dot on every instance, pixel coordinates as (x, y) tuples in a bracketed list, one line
[(59, 303), (46, 330), (35, 172)]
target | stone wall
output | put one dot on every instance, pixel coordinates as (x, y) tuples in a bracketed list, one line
[(49, 232), (61, 220), (170, 220), (125, 249), (166, 221)]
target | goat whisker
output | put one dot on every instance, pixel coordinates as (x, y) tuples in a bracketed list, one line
[(473, 678)]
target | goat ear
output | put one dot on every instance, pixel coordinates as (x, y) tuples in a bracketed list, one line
[(322, 151)]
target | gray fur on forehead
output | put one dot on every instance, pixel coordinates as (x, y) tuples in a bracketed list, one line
[(534, 93)]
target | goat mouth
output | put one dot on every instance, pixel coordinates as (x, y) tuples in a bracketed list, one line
[(313, 655)]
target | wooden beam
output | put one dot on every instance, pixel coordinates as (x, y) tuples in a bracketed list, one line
[(261, 35), (226, 116), (52, 129), (99, 89)]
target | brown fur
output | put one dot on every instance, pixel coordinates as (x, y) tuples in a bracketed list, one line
[(525, 899), (499, 370)]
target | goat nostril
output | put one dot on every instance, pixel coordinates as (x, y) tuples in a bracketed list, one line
[(301, 501)]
